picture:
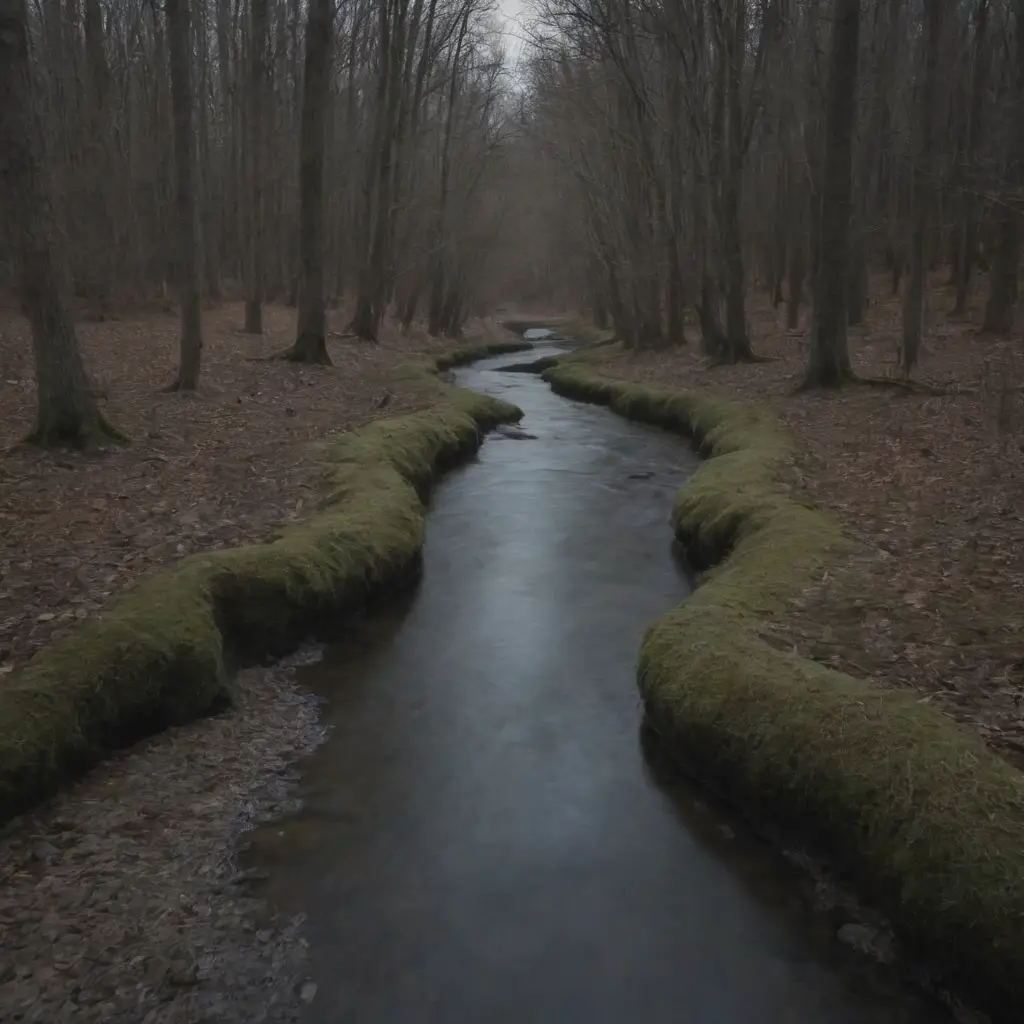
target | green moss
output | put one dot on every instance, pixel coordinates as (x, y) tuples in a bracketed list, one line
[(471, 353), (925, 821), (160, 655), (581, 331)]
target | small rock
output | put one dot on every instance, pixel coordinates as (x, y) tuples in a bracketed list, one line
[(640, 476), (46, 617), (45, 851), (307, 992)]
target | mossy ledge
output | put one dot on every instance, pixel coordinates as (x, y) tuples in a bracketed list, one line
[(164, 653), (924, 821)]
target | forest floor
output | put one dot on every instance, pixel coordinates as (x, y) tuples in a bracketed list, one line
[(929, 486), (225, 468)]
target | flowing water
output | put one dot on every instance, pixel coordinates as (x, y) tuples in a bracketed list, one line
[(484, 838)]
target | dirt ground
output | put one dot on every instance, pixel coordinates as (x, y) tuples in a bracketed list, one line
[(227, 467), (929, 486), (121, 901)]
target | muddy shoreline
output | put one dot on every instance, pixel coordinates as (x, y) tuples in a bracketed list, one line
[(122, 901)]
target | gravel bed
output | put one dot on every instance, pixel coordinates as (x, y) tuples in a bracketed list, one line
[(121, 901)]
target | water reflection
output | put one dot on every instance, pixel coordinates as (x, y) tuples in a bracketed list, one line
[(484, 839)]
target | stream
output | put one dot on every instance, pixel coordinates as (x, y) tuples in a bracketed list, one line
[(485, 836)]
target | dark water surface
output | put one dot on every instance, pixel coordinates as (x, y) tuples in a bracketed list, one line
[(483, 839)]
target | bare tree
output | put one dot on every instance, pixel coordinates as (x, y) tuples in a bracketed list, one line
[(256, 145), (179, 38), (311, 341), (829, 362), (913, 305), (967, 244), (67, 411), (1000, 309)]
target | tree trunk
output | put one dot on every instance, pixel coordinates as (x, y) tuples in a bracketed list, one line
[(66, 410), (829, 361), (179, 39), (1000, 309), (257, 102), (99, 215), (311, 341), (857, 282), (796, 268), (967, 240), (737, 338), (796, 248), (913, 301)]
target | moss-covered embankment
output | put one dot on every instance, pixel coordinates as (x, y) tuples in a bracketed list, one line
[(919, 815), (163, 654)]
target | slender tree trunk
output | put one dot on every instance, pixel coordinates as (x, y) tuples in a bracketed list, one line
[(913, 301), (179, 39), (437, 315), (311, 341), (967, 242), (66, 410), (795, 271), (796, 248), (737, 337), (829, 362), (98, 218), (857, 282), (1001, 307), (257, 104), (374, 285)]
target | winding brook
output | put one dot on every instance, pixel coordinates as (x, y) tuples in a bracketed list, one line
[(484, 837)]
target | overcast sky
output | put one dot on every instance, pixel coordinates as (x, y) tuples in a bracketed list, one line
[(512, 11)]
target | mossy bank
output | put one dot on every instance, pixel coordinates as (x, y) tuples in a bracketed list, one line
[(919, 815), (164, 653)]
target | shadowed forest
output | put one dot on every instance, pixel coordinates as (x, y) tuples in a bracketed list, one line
[(228, 228)]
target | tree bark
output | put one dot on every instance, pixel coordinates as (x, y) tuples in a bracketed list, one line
[(737, 340), (179, 39), (257, 103), (98, 216), (967, 241), (1001, 307), (795, 270), (66, 412), (829, 361), (913, 300), (311, 341)]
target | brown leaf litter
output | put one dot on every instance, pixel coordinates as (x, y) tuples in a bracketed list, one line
[(228, 467), (930, 488)]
